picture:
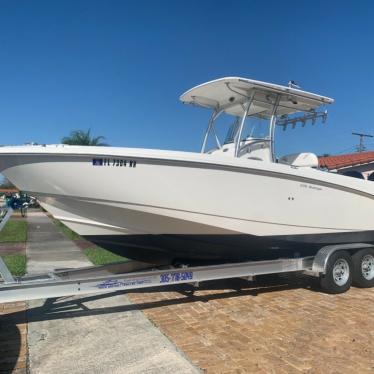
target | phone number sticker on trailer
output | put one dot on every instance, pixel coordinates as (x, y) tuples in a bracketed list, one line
[(114, 162), (176, 277)]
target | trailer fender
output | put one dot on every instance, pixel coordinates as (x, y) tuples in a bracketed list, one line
[(321, 259)]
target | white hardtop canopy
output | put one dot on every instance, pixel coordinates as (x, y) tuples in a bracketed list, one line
[(231, 93)]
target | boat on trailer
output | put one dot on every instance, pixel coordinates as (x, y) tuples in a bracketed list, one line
[(233, 201), (232, 210)]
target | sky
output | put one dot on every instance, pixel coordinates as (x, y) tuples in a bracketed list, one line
[(119, 67)]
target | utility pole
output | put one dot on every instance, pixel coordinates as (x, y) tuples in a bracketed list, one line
[(361, 147)]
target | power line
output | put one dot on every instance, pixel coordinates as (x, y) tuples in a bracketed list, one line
[(352, 148), (361, 147)]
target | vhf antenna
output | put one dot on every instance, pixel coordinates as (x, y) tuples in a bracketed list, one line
[(361, 147), (293, 84)]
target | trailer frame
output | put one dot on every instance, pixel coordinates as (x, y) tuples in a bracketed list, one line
[(132, 275), (85, 280)]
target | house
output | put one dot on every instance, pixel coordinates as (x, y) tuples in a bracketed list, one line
[(358, 165)]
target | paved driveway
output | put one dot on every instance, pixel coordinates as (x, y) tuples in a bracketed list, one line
[(280, 325)]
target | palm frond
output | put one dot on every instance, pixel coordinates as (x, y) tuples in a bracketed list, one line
[(81, 137)]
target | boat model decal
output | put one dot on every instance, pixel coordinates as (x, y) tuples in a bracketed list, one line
[(113, 162), (311, 187)]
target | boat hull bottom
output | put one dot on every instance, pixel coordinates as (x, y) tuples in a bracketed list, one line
[(221, 248)]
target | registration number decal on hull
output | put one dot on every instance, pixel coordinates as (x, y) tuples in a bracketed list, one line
[(114, 162)]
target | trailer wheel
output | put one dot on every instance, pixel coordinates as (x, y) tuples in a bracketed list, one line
[(363, 273), (338, 277)]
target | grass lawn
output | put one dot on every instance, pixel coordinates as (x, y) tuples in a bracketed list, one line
[(15, 231), (100, 256), (16, 263), (97, 255), (70, 234)]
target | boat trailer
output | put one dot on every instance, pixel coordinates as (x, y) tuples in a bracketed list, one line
[(132, 275), (100, 279)]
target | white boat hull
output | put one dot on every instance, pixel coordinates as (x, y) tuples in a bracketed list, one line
[(173, 205)]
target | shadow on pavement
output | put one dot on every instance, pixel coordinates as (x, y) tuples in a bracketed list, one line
[(10, 341)]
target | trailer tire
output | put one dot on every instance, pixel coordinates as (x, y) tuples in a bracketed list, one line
[(339, 273), (363, 273)]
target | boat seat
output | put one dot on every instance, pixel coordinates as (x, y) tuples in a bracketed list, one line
[(305, 159)]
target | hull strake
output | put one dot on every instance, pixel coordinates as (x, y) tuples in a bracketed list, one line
[(81, 215), (161, 248)]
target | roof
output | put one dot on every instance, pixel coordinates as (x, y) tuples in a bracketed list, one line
[(342, 161), (8, 190), (230, 93)]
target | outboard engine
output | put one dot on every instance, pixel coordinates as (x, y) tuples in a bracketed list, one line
[(307, 159)]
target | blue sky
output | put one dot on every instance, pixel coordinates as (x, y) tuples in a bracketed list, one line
[(119, 67)]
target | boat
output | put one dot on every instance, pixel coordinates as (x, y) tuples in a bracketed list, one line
[(234, 200)]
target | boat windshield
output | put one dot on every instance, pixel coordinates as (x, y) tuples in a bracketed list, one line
[(254, 127), (231, 133)]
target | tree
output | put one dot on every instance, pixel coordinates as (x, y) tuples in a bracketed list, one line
[(81, 137)]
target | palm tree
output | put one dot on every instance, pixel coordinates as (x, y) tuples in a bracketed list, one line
[(80, 137)]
